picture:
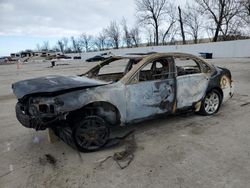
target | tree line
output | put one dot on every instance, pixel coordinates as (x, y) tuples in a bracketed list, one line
[(160, 22)]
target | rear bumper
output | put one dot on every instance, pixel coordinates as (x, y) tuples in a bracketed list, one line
[(228, 91), (232, 88)]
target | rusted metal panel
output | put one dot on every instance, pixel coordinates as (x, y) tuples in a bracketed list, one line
[(227, 87)]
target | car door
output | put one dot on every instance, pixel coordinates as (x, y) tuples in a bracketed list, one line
[(191, 82), (152, 90)]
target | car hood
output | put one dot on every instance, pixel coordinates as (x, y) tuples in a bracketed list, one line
[(51, 84)]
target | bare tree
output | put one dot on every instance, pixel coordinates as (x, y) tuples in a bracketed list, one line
[(233, 24), (245, 14), (246, 6), (86, 41), (192, 21), (38, 47), (181, 26), (60, 45), (75, 45), (171, 21), (45, 46), (150, 36), (113, 33), (126, 35), (152, 12), (56, 49), (165, 34), (173, 35), (135, 36), (168, 36), (100, 41), (65, 43), (221, 12)]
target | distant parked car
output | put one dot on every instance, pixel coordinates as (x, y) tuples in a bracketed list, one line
[(206, 55), (77, 57), (120, 91), (96, 58), (100, 57), (62, 56)]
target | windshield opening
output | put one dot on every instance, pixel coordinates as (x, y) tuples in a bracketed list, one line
[(112, 71)]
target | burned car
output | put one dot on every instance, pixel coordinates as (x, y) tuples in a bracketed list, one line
[(120, 91)]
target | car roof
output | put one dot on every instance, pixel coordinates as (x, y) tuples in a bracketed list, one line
[(143, 58), (151, 57), (139, 56), (146, 57), (155, 55)]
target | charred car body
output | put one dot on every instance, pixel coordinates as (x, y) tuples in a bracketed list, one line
[(120, 91)]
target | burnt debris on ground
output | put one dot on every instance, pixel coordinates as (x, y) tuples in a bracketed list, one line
[(47, 158), (125, 157), (245, 104)]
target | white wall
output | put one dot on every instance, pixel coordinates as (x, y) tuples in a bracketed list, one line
[(239, 48)]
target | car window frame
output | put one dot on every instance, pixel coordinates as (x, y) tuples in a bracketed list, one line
[(202, 64), (136, 73)]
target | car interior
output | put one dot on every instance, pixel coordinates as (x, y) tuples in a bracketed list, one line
[(186, 66), (155, 70)]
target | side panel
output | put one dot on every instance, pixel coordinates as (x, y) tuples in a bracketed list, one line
[(113, 93), (191, 88), (149, 98), (222, 79)]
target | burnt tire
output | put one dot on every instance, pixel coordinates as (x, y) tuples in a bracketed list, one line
[(211, 103), (65, 134), (91, 133)]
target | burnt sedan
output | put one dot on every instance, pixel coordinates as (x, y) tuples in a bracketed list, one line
[(120, 91)]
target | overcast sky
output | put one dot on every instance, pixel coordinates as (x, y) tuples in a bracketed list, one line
[(24, 23)]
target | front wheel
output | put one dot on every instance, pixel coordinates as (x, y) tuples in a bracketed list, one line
[(91, 133), (211, 103)]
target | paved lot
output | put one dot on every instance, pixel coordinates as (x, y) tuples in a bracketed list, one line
[(179, 151)]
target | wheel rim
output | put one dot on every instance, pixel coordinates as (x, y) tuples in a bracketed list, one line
[(91, 134), (212, 102)]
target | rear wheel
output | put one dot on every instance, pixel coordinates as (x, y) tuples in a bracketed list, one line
[(91, 133), (211, 103)]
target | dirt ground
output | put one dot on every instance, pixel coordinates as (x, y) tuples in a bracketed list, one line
[(178, 151)]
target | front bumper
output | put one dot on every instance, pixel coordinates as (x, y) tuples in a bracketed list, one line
[(23, 118), (38, 122)]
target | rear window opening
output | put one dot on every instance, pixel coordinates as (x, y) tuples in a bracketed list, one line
[(186, 66)]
